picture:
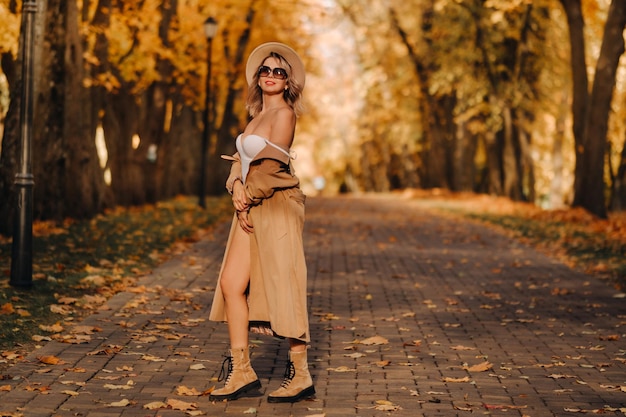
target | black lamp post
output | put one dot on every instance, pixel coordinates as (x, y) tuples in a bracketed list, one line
[(210, 29), (22, 249)]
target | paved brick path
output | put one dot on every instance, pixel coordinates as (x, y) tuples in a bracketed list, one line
[(412, 314)]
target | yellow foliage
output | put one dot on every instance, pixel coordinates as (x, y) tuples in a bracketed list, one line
[(9, 29)]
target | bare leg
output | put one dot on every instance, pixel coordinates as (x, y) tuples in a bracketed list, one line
[(234, 281), (235, 277)]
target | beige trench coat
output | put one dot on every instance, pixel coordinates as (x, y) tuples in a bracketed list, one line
[(278, 277)]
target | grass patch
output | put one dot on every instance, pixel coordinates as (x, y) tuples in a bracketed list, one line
[(80, 264)]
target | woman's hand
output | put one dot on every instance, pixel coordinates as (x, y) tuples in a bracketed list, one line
[(244, 222), (239, 196), (241, 205)]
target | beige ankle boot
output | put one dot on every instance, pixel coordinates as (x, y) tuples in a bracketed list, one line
[(298, 384), (240, 378)]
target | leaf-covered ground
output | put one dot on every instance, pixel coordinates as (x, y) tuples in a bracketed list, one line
[(571, 235), (77, 266)]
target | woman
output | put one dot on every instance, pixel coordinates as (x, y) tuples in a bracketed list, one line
[(262, 282)]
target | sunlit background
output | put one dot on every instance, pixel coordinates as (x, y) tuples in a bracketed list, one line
[(401, 94)]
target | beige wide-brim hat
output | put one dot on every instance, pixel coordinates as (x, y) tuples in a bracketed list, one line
[(262, 51)]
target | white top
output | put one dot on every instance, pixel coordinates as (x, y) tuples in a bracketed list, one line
[(249, 147)]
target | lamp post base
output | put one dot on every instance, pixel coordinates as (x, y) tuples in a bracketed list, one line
[(22, 247)]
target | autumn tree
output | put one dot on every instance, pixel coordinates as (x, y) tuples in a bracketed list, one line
[(591, 109), (68, 180), (135, 71)]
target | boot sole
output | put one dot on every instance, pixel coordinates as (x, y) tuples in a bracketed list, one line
[(237, 394), (304, 394)]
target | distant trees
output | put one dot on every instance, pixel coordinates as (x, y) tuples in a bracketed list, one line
[(466, 95), (486, 75)]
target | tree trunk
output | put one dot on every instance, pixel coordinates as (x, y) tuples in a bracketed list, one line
[(120, 123), (510, 156), (68, 178), (493, 150), (526, 166), (464, 164), (557, 191), (65, 154), (439, 127), (434, 157), (580, 81), (84, 180), (179, 157), (618, 195), (229, 125), (591, 143), (153, 112), (374, 162), (592, 193)]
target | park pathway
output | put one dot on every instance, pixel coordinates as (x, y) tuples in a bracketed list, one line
[(413, 313)]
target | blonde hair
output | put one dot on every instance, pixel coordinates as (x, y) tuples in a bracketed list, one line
[(292, 94)]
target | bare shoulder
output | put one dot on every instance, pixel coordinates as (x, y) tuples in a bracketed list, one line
[(283, 126), (286, 115)]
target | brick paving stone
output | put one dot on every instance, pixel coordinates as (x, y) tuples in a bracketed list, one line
[(444, 293)]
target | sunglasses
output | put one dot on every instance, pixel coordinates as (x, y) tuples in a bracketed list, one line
[(278, 73)]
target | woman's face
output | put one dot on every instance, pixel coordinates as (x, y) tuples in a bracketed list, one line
[(272, 76)]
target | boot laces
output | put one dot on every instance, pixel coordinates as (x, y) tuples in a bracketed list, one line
[(227, 369), (290, 373)]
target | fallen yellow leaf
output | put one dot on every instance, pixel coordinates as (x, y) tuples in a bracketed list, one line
[(128, 385), (55, 328), (49, 360), (155, 405), (60, 309), (384, 405), (461, 347), (183, 390), (480, 367), (121, 403), (342, 369), (67, 300), (77, 370), (152, 358), (7, 308), (449, 379), (86, 329), (374, 340), (11, 355), (181, 405)]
